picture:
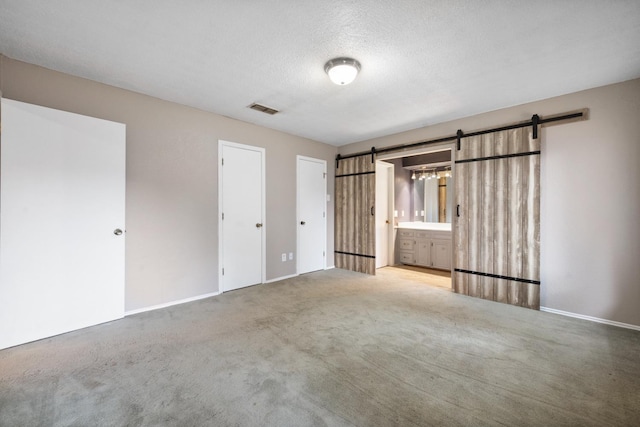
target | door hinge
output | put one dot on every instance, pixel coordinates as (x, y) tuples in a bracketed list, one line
[(223, 271), (222, 161), (323, 214), (324, 174), (223, 216), (323, 254)]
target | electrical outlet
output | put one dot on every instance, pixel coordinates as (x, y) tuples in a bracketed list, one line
[(290, 256), (284, 257)]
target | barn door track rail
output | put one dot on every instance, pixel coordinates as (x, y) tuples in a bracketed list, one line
[(536, 122)]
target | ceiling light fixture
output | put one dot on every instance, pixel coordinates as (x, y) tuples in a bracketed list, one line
[(342, 71)]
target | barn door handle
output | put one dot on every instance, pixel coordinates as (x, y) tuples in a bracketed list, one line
[(458, 210), (302, 223), (372, 212)]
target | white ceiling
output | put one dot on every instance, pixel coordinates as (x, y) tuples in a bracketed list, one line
[(423, 61)]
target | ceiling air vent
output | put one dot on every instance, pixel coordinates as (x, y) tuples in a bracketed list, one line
[(263, 109)]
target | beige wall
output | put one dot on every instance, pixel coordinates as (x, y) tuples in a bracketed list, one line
[(590, 235), (171, 204), (590, 222)]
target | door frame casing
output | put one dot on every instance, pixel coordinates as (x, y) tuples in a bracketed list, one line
[(390, 167), (222, 143), (324, 234)]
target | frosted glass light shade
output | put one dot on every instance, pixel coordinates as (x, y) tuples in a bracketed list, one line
[(342, 71)]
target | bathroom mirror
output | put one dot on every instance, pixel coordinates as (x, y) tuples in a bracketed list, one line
[(431, 196), (423, 188)]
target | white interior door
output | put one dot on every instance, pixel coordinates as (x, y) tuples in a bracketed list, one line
[(312, 204), (384, 175), (242, 215), (62, 194)]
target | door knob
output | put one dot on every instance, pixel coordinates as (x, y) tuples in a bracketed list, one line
[(117, 232), (258, 225), (302, 223)]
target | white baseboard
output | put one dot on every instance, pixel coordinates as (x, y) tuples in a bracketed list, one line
[(277, 279), (591, 318), (169, 304)]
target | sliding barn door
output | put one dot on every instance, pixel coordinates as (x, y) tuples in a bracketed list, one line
[(355, 239), (497, 229)]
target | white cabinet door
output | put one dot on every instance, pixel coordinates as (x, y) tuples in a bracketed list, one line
[(312, 204), (62, 196), (242, 206), (423, 252), (441, 254)]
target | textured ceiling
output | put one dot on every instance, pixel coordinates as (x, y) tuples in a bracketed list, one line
[(423, 62)]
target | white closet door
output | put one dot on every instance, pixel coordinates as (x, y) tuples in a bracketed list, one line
[(242, 202), (312, 205), (62, 195)]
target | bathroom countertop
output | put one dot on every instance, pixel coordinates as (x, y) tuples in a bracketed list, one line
[(440, 226)]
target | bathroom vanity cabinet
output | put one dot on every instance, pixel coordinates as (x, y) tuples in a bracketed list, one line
[(426, 248)]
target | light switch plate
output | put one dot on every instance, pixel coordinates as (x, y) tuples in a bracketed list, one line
[(290, 256), (284, 257)]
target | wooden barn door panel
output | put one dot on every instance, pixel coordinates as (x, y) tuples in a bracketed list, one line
[(461, 229), (497, 230), (355, 215)]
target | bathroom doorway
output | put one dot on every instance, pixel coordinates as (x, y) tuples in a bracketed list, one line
[(421, 239)]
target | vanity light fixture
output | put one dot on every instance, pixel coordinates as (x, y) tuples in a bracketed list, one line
[(413, 176), (342, 71)]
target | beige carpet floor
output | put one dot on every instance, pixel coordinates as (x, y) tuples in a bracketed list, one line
[(427, 276), (332, 348)]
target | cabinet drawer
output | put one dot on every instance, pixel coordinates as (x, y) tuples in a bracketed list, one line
[(405, 233), (406, 258), (406, 244), (438, 234)]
